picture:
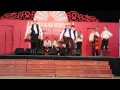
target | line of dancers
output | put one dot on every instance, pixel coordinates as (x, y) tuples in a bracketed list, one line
[(69, 37)]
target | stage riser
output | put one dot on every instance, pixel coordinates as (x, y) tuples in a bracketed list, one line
[(57, 62), (4, 66), (13, 61), (84, 75), (78, 62), (54, 68)]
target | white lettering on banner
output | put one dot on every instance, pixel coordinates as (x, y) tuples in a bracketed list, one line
[(52, 30), (45, 25), (41, 24), (59, 25), (50, 27), (50, 24)]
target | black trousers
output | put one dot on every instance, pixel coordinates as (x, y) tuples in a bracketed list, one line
[(79, 45), (68, 40), (104, 43), (35, 43)]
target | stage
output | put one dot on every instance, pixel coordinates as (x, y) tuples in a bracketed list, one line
[(56, 57), (12, 36)]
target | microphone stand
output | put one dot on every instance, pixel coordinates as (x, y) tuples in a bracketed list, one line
[(20, 39), (52, 33), (12, 42), (5, 43)]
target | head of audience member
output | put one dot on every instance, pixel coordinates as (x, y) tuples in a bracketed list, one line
[(72, 27), (105, 27)]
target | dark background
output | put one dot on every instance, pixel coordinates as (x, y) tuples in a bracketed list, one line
[(105, 11)]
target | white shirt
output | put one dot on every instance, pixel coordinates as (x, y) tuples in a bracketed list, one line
[(106, 34), (47, 44), (91, 36), (80, 38), (55, 43), (66, 34), (28, 31)]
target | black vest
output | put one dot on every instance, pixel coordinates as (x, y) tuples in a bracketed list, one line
[(65, 31), (33, 31)]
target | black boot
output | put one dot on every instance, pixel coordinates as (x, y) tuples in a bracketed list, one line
[(66, 52), (93, 53), (101, 53), (80, 52), (97, 53), (105, 53), (33, 51)]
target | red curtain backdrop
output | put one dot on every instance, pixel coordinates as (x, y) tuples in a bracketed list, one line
[(15, 31)]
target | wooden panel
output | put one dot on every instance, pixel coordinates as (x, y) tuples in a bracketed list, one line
[(23, 61), (7, 61), (21, 66), (41, 70), (69, 71), (6, 70), (89, 63), (7, 66), (75, 62), (69, 67), (102, 63), (62, 62), (97, 71), (12, 71), (37, 66), (20, 70), (40, 61), (84, 75), (28, 74), (12, 66)]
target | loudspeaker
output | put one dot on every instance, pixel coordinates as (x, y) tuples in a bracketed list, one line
[(19, 51), (40, 51), (52, 52), (62, 51), (28, 51)]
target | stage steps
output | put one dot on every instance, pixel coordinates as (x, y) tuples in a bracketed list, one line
[(55, 68)]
